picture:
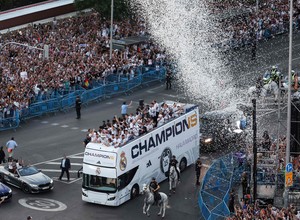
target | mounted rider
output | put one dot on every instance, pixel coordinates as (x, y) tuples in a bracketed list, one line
[(294, 79), (174, 162), (274, 70), (154, 187)]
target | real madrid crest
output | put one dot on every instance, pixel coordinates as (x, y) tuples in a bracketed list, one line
[(123, 161), (98, 171)]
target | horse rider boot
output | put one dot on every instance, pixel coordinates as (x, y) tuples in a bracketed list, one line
[(155, 187), (174, 163)]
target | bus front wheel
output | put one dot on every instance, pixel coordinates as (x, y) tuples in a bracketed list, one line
[(134, 191), (182, 164)]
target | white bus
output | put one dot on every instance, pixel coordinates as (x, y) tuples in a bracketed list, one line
[(112, 176)]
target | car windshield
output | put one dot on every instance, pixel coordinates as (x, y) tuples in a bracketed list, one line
[(27, 171), (99, 183)]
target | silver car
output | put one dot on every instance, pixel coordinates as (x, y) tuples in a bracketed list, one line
[(27, 178)]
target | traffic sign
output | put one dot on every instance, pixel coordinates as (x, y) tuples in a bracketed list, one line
[(288, 179), (289, 168)]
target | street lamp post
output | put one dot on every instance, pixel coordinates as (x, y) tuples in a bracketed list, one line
[(254, 128), (288, 130), (111, 28)]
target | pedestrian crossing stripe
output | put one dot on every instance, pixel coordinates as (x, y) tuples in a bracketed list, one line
[(60, 158), (58, 163), (58, 170), (64, 126), (77, 157), (64, 180)]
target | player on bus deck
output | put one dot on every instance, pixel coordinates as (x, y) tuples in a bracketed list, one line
[(174, 162), (154, 187)]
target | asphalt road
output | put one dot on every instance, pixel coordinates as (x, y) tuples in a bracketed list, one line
[(43, 141)]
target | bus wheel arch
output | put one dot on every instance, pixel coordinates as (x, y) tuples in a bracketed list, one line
[(182, 164), (135, 191)]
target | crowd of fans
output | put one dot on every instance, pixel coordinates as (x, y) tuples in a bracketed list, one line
[(119, 131), (255, 212), (244, 26), (78, 55), (267, 158)]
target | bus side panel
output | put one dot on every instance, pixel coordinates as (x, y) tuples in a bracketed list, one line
[(153, 151)]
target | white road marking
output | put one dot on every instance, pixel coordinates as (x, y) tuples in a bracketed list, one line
[(121, 99), (44, 122), (65, 181), (84, 130), (64, 126), (55, 124), (56, 159), (58, 163), (78, 157), (57, 170), (42, 204), (109, 103), (74, 128)]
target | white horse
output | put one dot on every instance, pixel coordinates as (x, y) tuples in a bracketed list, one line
[(270, 88), (173, 180), (149, 200)]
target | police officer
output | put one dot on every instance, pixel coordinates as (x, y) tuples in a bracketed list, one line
[(174, 162), (78, 107), (198, 167), (274, 70), (154, 187), (275, 76), (294, 75)]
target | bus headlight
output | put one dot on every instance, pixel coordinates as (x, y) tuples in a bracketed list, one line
[(111, 198), (207, 140)]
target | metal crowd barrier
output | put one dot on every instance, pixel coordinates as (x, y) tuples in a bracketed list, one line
[(9, 123), (267, 33), (64, 101), (216, 186)]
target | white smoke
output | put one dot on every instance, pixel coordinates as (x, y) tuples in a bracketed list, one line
[(186, 30)]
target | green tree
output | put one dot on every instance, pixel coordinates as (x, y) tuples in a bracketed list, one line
[(121, 7)]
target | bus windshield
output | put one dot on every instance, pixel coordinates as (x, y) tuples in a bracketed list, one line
[(99, 183)]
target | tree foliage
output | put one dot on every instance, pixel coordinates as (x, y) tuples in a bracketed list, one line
[(121, 7)]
